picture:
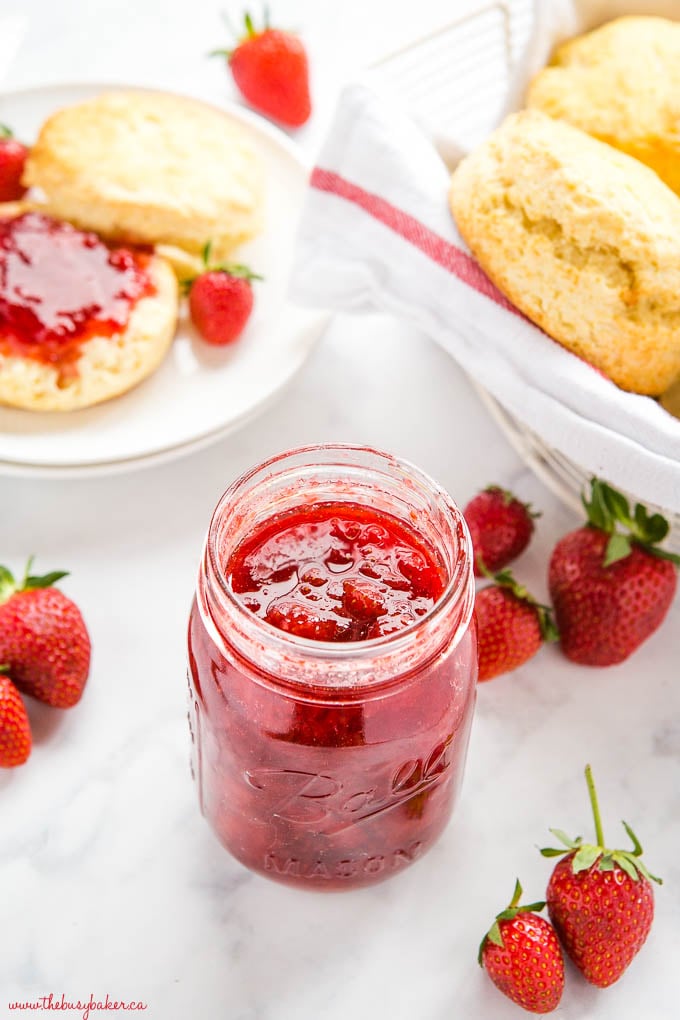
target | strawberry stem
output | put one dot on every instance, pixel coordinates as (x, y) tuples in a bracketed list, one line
[(6, 132), (27, 571), (516, 896), (509, 497), (230, 268), (592, 793), (587, 855)]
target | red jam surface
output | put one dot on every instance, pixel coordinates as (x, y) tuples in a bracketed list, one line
[(60, 286), (329, 788), (336, 572)]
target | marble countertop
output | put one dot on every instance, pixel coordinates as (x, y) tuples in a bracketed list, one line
[(110, 881)]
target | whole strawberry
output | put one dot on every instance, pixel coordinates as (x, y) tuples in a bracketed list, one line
[(500, 526), (611, 589), (43, 638), (522, 956), (511, 626), (271, 70), (601, 901), (221, 300), (15, 732), (12, 158)]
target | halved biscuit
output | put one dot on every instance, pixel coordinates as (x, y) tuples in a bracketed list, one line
[(149, 168)]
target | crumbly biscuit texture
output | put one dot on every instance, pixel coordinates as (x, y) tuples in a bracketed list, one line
[(621, 83), (583, 239), (108, 366), (148, 167)]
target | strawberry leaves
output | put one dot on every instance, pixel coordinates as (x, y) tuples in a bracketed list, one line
[(588, 854), (9, 586), (509, 914), (236, 269), (506, 579), (609, 511), (509, 497)]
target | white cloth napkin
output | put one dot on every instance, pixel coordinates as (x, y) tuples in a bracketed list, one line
[(377, 234)]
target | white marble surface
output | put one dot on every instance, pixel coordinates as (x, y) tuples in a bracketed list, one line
[(110, 881)]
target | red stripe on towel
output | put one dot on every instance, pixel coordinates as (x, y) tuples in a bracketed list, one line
[(416, 233)]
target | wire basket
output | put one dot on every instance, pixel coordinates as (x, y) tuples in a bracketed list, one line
[(561, 475)]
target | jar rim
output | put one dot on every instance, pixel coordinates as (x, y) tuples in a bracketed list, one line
[(459, 581)]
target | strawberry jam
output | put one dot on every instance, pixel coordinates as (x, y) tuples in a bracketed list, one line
[(336, 572), (60, 286), (332, 667)]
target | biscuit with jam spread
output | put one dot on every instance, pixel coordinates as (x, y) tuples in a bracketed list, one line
[(58, 349)]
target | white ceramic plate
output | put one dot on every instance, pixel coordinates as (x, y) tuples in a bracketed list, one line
[(200, 392)]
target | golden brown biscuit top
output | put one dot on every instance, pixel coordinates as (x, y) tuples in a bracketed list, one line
[(137, 146), (620, 81)]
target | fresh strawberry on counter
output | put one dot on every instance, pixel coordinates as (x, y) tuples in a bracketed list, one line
[(500, 526), (600, 901), (43, 638), (511, 625), (610, 581), (15, 731), (522, 956)]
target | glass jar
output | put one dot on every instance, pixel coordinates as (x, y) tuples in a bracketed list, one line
[(331, 766)]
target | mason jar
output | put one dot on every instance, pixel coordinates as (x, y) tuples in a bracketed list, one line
[(332, 759)]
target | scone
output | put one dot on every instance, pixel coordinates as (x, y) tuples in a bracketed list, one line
[(621, 83), (79, 322), (583, 239), (150, 168)]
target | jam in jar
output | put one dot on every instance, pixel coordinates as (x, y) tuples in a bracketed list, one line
[(332, 666)]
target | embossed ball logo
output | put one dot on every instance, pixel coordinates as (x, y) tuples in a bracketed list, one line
[(327, 801)]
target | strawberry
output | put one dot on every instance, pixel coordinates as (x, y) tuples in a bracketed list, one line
[(221, 300), (500, 527), (600, 901), (611, 589), (12, 158), (43, 638), (522, 956), (305, 623), (363, 600), (15, 732), (271, 70), (511, 626)]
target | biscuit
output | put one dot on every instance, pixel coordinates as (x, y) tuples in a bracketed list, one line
[(621, 83), (581, 238), (108, 365), (148, 168)]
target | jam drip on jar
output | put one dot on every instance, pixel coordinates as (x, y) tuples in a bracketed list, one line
[(60, 286), (336, 572)]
